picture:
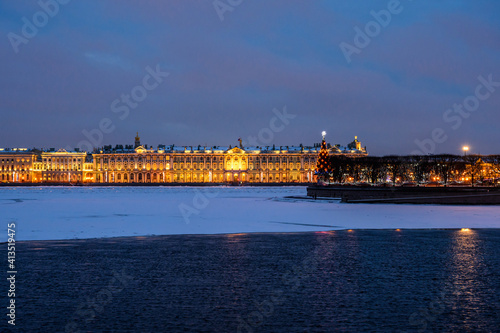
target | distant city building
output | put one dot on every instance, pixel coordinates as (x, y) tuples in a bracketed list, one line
[(16, 165), (62, 166), (169, 164)]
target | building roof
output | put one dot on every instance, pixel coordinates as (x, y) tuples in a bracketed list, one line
[(119, 149)]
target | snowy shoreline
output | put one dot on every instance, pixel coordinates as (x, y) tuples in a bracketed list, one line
[(74, 212)]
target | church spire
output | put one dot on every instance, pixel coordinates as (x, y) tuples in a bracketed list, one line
[(137, 141)]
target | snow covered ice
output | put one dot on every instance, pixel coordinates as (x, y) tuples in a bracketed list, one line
[(45, 213)]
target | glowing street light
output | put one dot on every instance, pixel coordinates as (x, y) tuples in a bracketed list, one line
[(465, 149)]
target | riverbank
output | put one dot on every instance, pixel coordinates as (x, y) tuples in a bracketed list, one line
[(410, 195)]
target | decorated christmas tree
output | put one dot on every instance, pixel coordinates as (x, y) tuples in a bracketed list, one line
[(323, 165)]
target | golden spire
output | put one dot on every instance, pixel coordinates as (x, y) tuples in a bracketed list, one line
[(137, 141)]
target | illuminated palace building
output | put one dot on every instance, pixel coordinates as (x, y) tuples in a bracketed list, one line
[(168, 164)]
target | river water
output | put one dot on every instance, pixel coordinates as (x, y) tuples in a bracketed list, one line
[(348, 281)]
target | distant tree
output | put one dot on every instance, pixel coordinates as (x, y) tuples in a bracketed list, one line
[(406, 169), (473, 168), (395, 167), (445, 166), (338, 168), (354, 167), (420, 167), (373, 168), (491, 168), (495, 161), (417, 168)]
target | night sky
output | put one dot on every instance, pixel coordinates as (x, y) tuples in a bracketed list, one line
[(222, 68)]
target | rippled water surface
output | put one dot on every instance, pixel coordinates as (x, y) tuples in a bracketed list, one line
[(350, 281)]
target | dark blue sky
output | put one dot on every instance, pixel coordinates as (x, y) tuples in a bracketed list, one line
[(225, 77)]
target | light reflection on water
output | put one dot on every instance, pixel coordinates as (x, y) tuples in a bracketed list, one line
[(468, 270), (355, 281)]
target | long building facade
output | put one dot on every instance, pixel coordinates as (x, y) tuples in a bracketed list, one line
[(169, 164)]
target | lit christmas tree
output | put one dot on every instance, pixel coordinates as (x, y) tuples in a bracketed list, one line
[(323, 168)]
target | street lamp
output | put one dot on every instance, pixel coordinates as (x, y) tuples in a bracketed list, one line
[(465, 149)]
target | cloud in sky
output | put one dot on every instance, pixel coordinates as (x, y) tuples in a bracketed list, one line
[(227, 76)]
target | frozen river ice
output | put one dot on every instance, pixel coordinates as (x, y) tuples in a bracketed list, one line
[(45, 213)]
